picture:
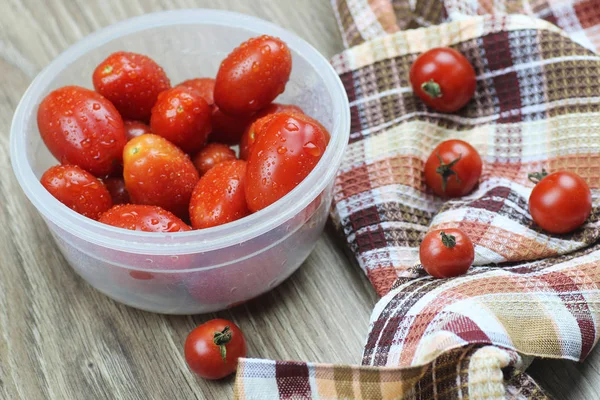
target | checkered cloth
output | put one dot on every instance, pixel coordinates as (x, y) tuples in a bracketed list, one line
[(530, 294)]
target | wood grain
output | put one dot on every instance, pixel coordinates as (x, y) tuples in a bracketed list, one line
[(61, 339)]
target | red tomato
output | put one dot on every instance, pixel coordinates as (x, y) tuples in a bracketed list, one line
[(252, 75), (182, 116), (443, 78), (81, 127), (560, 202), (211, 155), (137, 217), (219, 196), (79, 190), (285, 152), (249, 136), (453, 169), (227, 128), (213, 348), (131, 82), (204, 86), (158, 173), (135, 128), (118, 191), (445, 253)]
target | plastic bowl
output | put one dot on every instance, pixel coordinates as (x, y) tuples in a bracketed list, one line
[(197, 271)]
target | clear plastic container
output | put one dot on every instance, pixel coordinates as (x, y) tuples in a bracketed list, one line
[(197, 271)]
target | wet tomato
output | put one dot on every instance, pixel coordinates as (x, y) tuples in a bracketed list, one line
[(182, 116), (453, 169), (81, 127), (285, 152), (560, 202), (228, 128), (446, 253), (253, 75), (79, 190), (135, 128), (118, 191), (137, 217), (158, 173), (443, 78), (211, 155), (204, 86), (131, 82), (219, 196)]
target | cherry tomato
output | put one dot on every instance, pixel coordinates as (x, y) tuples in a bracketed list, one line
[(453, 169), (135, 128), (228, 129), (443, 78), (211, 155), (560, 202), (249, 136), (131, 82), (158, 173), (81, 127), (219, 196), (252, 75), (204, 86), (118, 191), (182, 116), (213, 348), (79, 190), (445, 253), (137, 217), (285, 152)]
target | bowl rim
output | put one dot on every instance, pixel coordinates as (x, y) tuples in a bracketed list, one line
[(194, 241)]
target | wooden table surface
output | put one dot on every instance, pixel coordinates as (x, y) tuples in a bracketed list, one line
[(61, 339)]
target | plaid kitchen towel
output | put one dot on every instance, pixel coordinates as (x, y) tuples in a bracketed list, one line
[(537, 105)]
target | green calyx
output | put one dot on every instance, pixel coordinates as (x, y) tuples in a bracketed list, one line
[(432, 88), (537, 176), (448, 240), (446, 171), (221, 339)]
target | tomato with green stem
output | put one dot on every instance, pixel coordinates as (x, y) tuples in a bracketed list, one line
[(446, 253), (213, 348), (453, 169)]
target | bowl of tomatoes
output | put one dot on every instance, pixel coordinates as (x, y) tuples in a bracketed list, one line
[(165, 197)]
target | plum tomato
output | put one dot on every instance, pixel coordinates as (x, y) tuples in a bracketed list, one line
[(182, 116), (158, 173), (284, 153), (211, 155), (453, 169), (249, 136), (560, 202), (446, 253), (213, 348), (219, 196), (226, 128), (253, 75), (79, 190), (204, 86), (118, 191), (81, 127), (137, 217), (443, 78), (131, 82), (135, 128)]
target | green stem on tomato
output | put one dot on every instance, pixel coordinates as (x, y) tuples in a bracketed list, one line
[(446, 171), (448, 240), (432, 88), (537, 176), (221, 339)]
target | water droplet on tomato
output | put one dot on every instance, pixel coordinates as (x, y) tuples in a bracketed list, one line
[(264, 181), (154, 221), (96, 106), (266, 49), (290, 126), (312, 149), (282, 150)]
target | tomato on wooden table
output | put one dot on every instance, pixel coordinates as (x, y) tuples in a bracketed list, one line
[(443, 78), (213, 348), (219, 196), (182, 116), (158, 173), (79, 190), (81, 127), (284, 153), (211, 155), (118, 191), (249, 136), (560, 202), (134, 129), (446, 253), (253, 75), (131, 82), (138, 217), (453, 169)]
